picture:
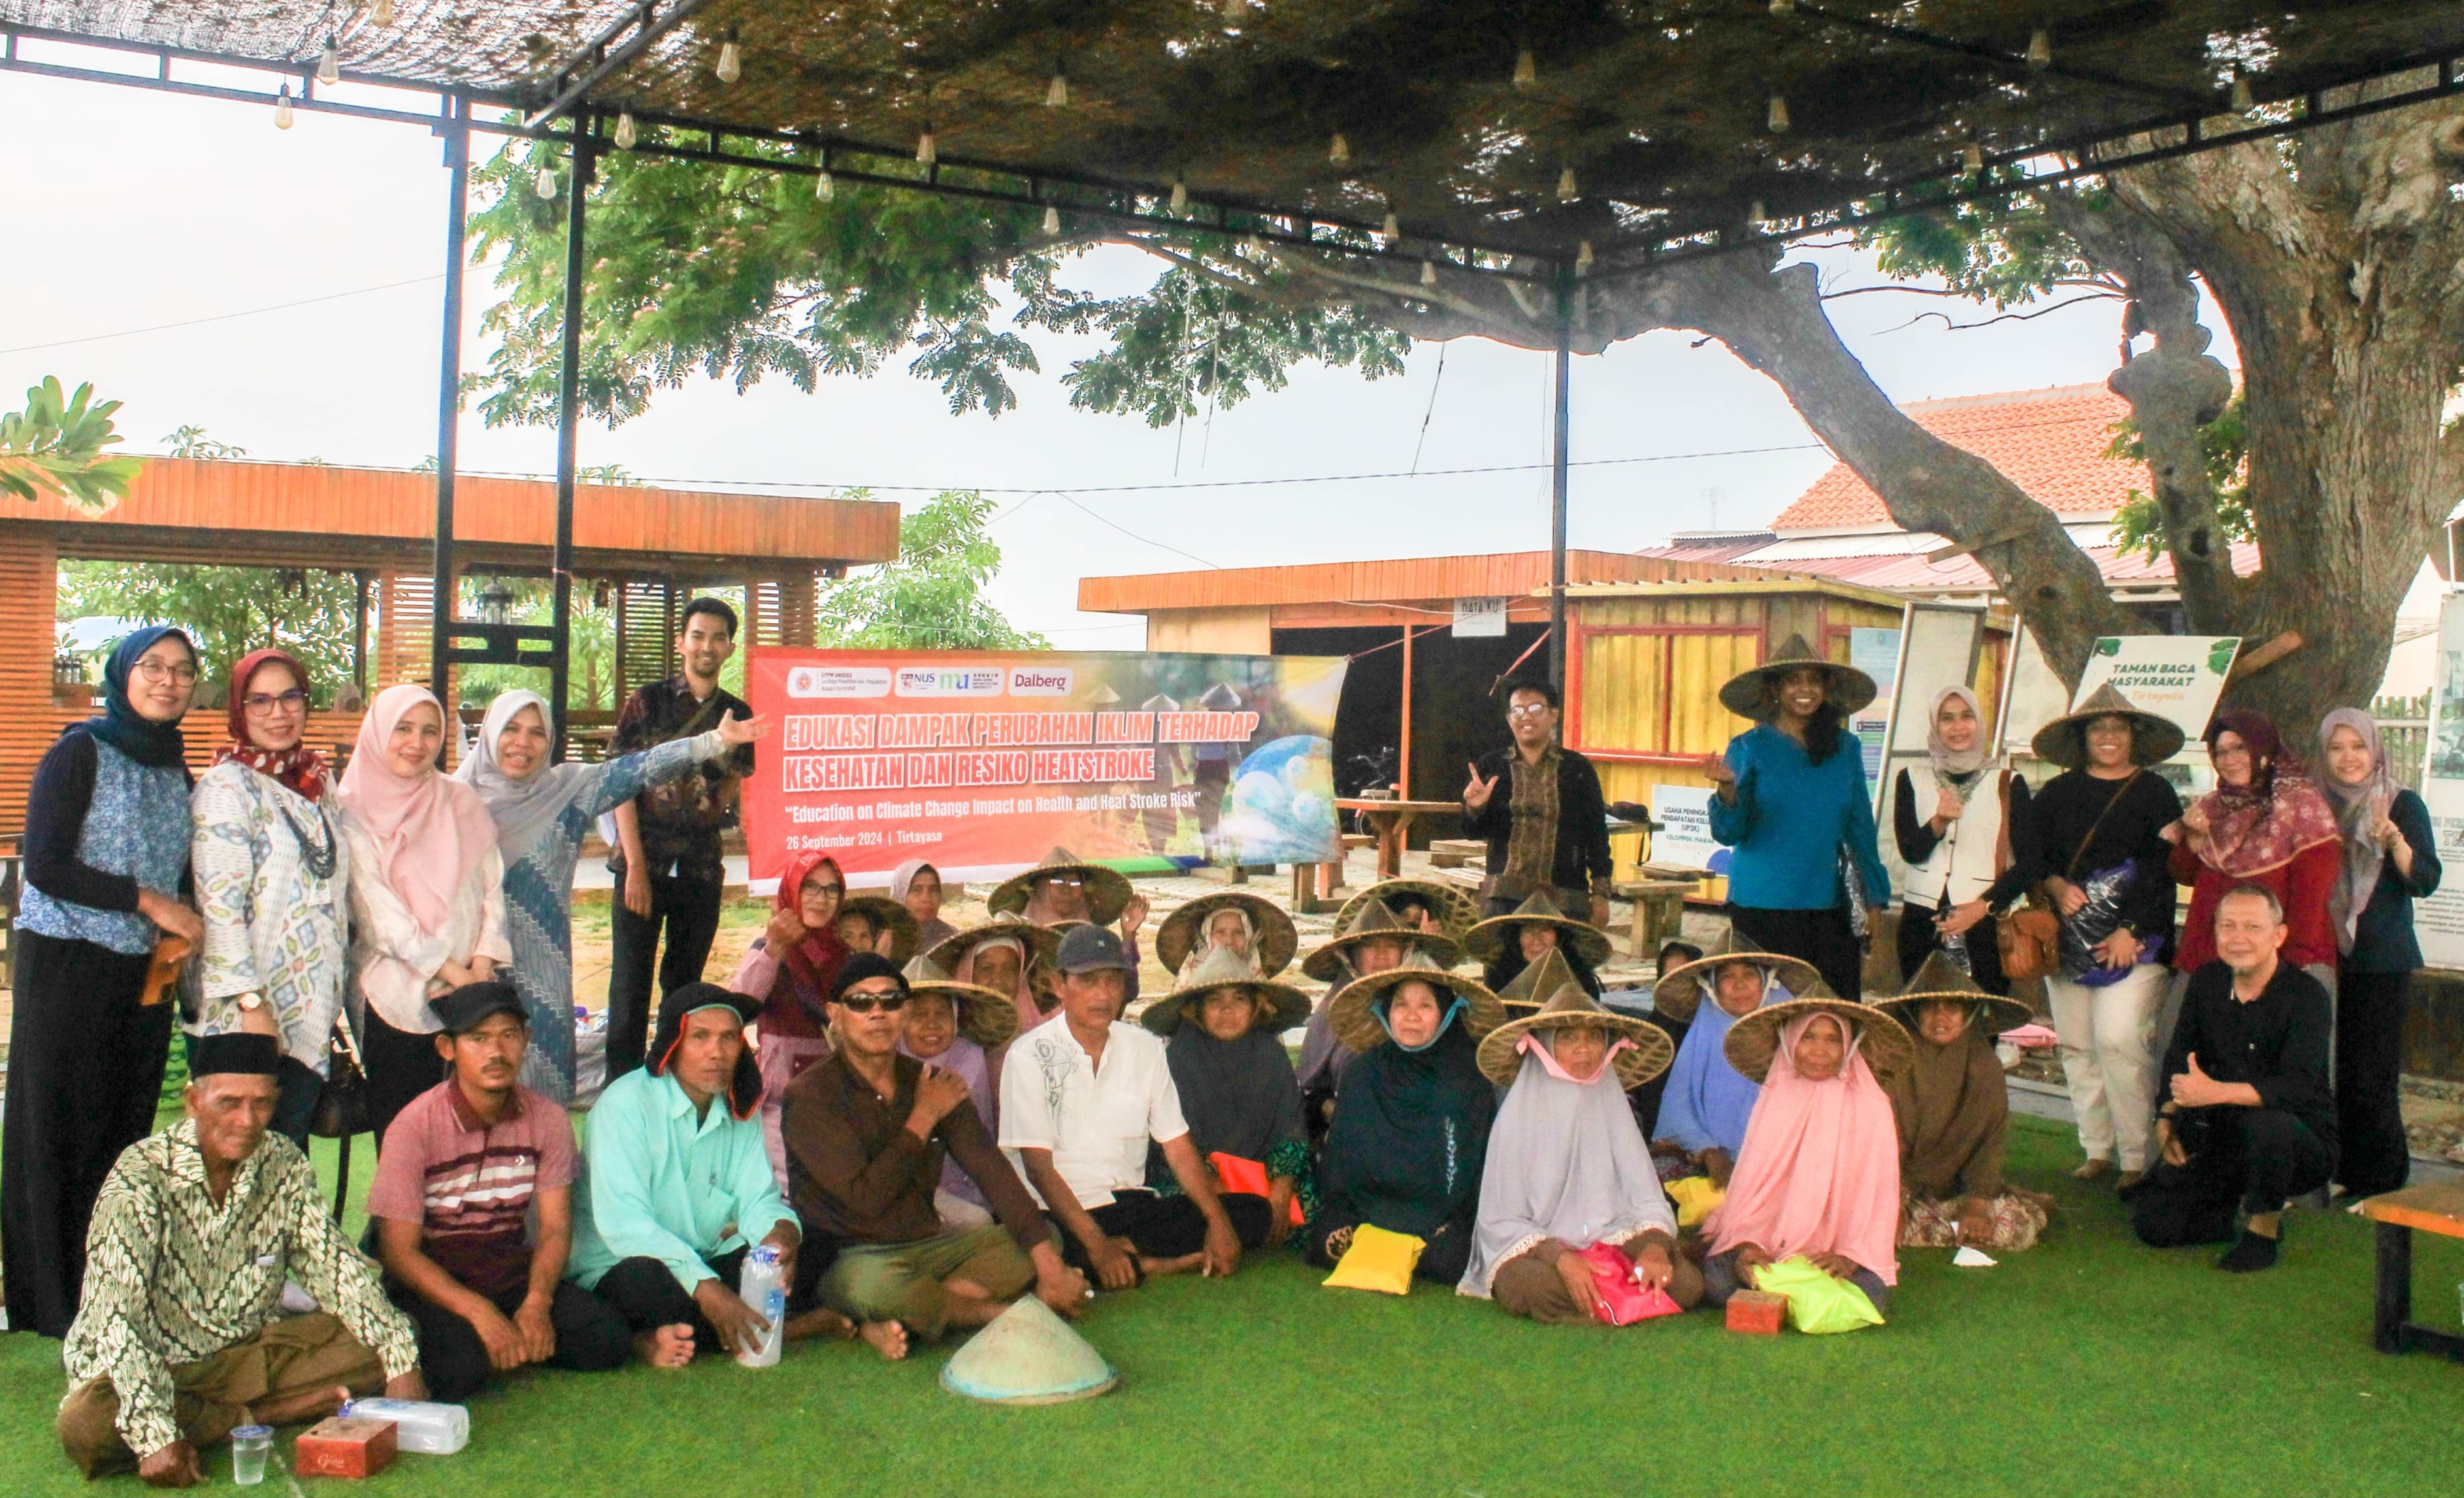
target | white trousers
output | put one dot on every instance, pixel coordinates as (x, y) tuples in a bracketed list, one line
[(2109, 1059)]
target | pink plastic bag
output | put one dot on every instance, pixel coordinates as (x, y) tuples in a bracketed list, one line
[(1625, 1299)]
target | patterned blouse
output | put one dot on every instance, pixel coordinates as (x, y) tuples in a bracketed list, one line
[(172, 1277), (272, 872)]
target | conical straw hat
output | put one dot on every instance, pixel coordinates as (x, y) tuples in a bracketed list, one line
[(985, 1017), (1678, 995), (892, 916), (1279, 1007), (1184, 929), (1108, 890), (1453, 905), (1844, 687), (1028, 1356), (1754, 1040), (1330, 964), (1486, 940), (2153, 739), (1940, 978), (1565, 1004), (1358, 1030), (1042, 942)]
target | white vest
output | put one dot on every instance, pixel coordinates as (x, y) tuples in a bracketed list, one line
[(1965, 857)]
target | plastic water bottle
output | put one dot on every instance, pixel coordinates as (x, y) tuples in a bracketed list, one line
[(764, 1288), (250, 1444), (418, 1426)]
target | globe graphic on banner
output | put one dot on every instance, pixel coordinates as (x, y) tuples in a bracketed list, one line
[(1283, 803)]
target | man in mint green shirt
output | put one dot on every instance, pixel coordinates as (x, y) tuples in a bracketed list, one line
[(677, 1189)]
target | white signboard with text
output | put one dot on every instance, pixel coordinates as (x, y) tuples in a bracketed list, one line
[(2439, 920), (1683, 813), (2177, 677), (1479, 618)]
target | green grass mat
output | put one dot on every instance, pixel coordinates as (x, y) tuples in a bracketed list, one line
[(2088, 1366)]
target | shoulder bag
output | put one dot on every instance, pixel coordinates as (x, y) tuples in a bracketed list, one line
[(2029, 937)]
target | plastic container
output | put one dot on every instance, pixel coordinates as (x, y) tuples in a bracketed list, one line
[(250, 1444), (427, 1428), (763, 1285)]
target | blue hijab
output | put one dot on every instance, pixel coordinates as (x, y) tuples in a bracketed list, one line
[(1708, 1101), (157, 745)]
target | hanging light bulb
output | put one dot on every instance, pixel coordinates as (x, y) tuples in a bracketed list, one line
[(1179, 195), (2242, 102), (731, 61), (1776, 119), (329, 65), (1971, 159), (626, 134), (381, 13), (1391, 230), (1051, 219), (1056, 95), (824, 189), (1527, 69), (545, 185), (926, 154), (1428, 273), (1566, 190), (1583, 258), (2041, 48), (1339, 150), (282, 109)]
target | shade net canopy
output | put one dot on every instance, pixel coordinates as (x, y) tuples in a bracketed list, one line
[(1529, 129)]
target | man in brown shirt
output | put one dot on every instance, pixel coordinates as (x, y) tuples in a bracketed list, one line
[(866, 1133)]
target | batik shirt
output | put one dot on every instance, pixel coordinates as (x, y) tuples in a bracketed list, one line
[(681, 819)]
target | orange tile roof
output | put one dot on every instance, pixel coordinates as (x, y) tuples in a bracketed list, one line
[(2051, 443)]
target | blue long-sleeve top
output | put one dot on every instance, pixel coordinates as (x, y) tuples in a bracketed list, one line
[(1790, 819)]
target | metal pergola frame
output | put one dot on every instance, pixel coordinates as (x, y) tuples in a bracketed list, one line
[(565, 100)]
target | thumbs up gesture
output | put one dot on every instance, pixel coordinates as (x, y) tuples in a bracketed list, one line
[(2195, 1089)]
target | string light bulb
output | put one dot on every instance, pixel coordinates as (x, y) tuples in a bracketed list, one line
[(1339, 150), (925, 152), (282, 109), (1971, 159), (381, 13), (1428, 273), (1527, 69), (626, 134), (2041, 47), (1775, 119), (1583, 258), (1051, 219), (824, 189), (545, 185), (1179, 196), (731, 61), (329, 65), (1391, 230), (1566, 189), (2242, 102), (1056, 94)]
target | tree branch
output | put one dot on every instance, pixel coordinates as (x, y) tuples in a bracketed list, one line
[(2006, 317)]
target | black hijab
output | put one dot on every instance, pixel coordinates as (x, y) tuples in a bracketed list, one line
[(1410, 1134), (152, 744), (1240, 1096), (744, 1089)]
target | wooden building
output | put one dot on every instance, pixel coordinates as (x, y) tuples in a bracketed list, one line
[(652, 548)]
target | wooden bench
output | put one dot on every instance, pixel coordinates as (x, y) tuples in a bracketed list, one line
[(1659, 911), (2399, 1215), (1455, 852)]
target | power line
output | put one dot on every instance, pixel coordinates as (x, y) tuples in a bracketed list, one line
[(221, 316)]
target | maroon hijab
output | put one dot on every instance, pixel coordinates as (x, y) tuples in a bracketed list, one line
[(299, 768)]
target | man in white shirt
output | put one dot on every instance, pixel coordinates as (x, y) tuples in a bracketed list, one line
[(1081, 1095)]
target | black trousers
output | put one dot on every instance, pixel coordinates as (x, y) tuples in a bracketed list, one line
[(401, 1066), (590, 1338), (687, 909), (2256, 1157), (2371, 1155), (86, 1075), (1169, 1227), (1446, 1254), (1919, 940), (644, 1295), (1821, 938)]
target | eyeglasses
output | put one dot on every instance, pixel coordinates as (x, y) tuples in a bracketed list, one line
[(2229, 752), (1529, 709), (261, 703), (1065, 881), (185, 675), (833, 891), (866, 1003)]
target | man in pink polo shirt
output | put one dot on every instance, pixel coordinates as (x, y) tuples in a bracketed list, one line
[(464, 1169)]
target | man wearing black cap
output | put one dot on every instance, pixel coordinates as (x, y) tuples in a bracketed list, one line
[(177, 1342), (465, 1168), (1070, 1090)]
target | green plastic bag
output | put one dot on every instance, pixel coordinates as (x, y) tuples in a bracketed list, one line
[(1817, 1303)]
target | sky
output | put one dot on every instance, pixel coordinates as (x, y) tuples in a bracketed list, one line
[(157, 210)]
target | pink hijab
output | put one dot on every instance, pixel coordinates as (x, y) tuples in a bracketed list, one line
[(431, 830), (1819, 1172)]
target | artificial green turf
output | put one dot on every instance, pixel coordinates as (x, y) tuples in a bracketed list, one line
[(2086, 1366)]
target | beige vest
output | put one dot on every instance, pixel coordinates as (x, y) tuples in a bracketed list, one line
[(1965, 857)]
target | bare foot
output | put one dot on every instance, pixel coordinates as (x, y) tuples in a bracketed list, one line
[(888, 1338), (1153, 1267), (668, 1347), (820, 1321)]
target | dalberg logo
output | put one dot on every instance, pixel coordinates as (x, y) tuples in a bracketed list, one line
[(1040, 681)]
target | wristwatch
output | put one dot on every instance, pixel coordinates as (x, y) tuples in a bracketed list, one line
[(250, 1003)]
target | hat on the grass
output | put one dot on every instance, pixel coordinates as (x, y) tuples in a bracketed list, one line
[(985, 1017), (890, 915), (1754, 1040), (1108, 890), (1279, 1007), (1747, 693), (1352, 1013), (1273, 939), (2153, 739), (1486, 940), (1565, 1004), (1027, 1355), (1940, 979), (1455, 907), (1373, 921), (1680, 991)]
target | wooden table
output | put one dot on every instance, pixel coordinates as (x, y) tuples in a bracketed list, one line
[(1392, 821), (2400, 1214)]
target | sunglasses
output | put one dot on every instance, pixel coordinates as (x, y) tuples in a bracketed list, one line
[(866, 1003)]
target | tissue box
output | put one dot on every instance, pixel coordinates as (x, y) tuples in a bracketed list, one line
[(1757, 1313), (343, 1446)]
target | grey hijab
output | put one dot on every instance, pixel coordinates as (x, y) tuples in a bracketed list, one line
[(1566, 1160), (525, 808)]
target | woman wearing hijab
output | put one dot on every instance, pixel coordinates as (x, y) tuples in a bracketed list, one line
[(2266, 823), (789, 969), (543, 812), (2389, 860), (1411, 1117), (107, 851), (917, 884), (428, 898), (1964, 830), (1567, 1165), (1505, 945), (1705, 1109), (1222, 1027), (957, 1026), (1953, 1111), (1252, 927), (1819, 1175), (273, 882), (1009, 956)]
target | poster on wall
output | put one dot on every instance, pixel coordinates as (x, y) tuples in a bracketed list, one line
[(2440, 919), (1877, 653), (982, 761)]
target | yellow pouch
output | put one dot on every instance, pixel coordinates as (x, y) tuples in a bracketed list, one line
[(1377, 1259), (1695, 1197)]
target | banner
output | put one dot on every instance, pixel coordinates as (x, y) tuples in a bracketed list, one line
[(2439, 920), (2176, 676), (982, 761)]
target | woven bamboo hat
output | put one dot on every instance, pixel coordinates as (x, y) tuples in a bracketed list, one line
[(1043, 942), (1844, 687), (1183, 930), (2153, 739), (1280, 1007), (986, 1016), (1679, 993), (1453, 905), (1108, 890), (1754, 1040), (1486, 940), (1358, 1028), (890, 915), (1564, 1005), (1374, 921), (1942, 979)]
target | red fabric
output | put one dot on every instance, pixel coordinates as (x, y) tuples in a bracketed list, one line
[(299, 767), (2303, 887), (1245, 1175), (793, 1006), (1624, 1300)]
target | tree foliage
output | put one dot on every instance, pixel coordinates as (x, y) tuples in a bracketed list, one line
[(2139, 526), (229, 611), (191, 442), (55, 448), (932, 597)]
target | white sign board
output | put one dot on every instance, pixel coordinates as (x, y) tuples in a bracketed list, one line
[(1479, 618), (1877, 653), (2176, 676), (2439, 920), (1683, 813)]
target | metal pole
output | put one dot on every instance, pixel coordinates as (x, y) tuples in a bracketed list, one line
[(1557, 500), (1403, 771), (568, 418), (449, 387)]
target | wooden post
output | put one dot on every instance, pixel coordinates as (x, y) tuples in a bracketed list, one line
[(1403, 769)]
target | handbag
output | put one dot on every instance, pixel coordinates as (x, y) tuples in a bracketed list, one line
[(343, 1103), (1623, 1298), (2029, 937)]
